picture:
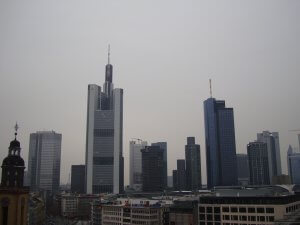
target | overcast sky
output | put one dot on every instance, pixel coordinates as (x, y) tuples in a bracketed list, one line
[(163, 53)]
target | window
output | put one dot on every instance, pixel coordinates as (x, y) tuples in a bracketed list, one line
[(242, 210), (271, 218), (270, 210), (251, 210), (217, 217), (209, 217), (217, 210), (260, 210), (225, 209), (201, 209), (234, 209), (209, 210), (202, 216)]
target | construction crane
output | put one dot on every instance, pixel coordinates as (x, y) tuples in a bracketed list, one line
[(138, 139)]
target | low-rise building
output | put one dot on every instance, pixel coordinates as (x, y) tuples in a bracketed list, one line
[(135, 211), (257, 206)]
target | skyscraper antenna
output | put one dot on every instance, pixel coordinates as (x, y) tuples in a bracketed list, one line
[(108, 53), (210, 88)]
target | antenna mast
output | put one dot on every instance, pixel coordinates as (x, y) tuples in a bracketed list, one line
[(210, 88)]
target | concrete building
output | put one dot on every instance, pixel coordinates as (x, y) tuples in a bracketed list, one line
[(293, 162), (164, 147), (104, 137), (262, 206), (273, 146), (243, 169), (258, 163), (193, 165), (134, 211), (77, 178), (152, 169), (44, 161), (135, 163), (220, 144), (14, 197)]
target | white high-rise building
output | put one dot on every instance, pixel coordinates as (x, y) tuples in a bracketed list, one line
[(272, 141), (44, 161), (104, 137), (136, 164)]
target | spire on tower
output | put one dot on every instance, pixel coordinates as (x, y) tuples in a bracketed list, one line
[(210, 88), (109, 54), (16, 130)]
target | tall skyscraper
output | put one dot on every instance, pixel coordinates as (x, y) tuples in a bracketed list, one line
[(258, 163), (272, 141), (175, 179), (44, 161), (243, 169), (293, 159), (77, 178), (135, 175), (220, 144), (13, 195), (164, 147), (104, 137), (193, 165), (181, 175), (153, 168)]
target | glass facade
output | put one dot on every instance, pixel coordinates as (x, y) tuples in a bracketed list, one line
[(220, 144)]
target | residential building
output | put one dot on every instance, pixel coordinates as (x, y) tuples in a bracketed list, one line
[(273, 147), (77, 178), (13, 195), (248, 206), (164, 147), (193, 165), (258, 163), (152, 169), (243, 169), (181, 175), (293, 166), (104, 137), (220, 144), (44, 161), (135, 163)]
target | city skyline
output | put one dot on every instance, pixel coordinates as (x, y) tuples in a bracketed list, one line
[(49, 80)]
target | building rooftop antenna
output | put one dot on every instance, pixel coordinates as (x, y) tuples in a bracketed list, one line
[(109, 54), (210, 88)]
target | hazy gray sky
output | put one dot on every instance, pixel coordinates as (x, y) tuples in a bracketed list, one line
[(163, 54)]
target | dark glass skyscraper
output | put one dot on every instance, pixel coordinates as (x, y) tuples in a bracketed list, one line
[(193, 165), (164, 147), (220, 144), (258, 163), (77, 178), (152, 169), (181, 175), (243, 169)]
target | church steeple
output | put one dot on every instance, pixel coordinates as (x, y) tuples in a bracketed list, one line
[(13, 165)]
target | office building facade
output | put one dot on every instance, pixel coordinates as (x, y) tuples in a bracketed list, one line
[(135, 175), (243, 169), (293, 162), (77, 178), (44, 161), (272, 141), (220, 144), (193, 165), (104, 137), (152, 169), (181, 175), (258, 163), (164, 147)]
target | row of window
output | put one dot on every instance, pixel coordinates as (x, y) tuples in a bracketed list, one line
[(216, 210)]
